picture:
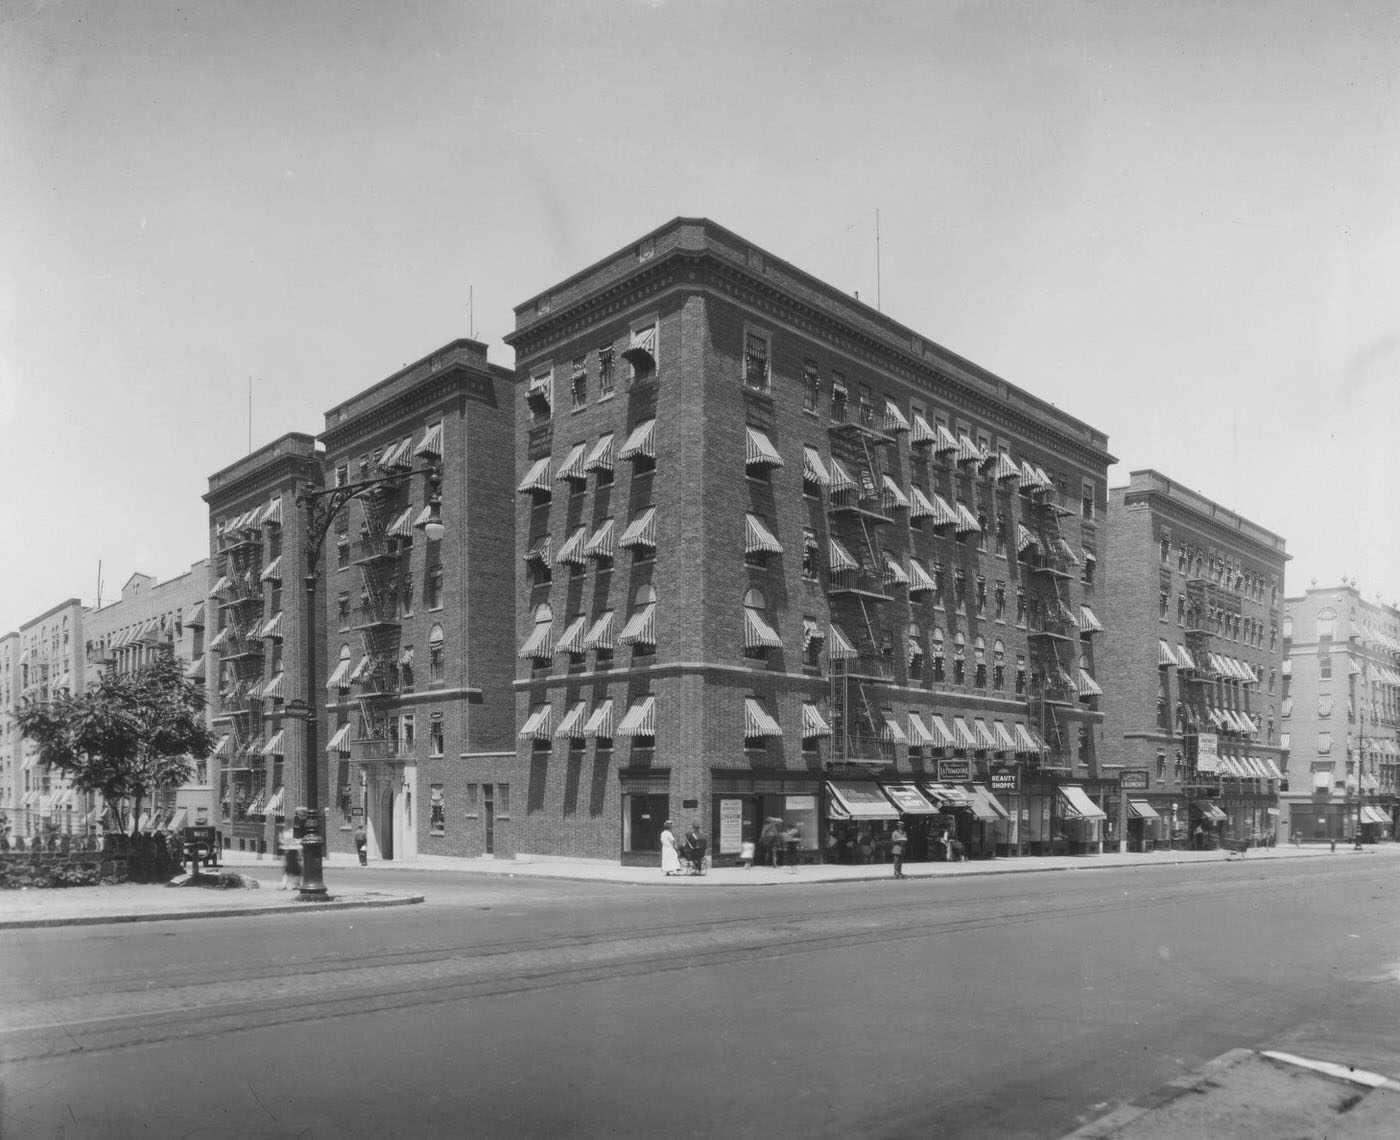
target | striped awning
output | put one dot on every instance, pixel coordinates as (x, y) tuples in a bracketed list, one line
[(272, 514), (758, 539), (573, 548), (272, 572), (641, 349), (600, 545), (919, 735), (397, 455), (942, 735), (573, 721), (894, 418), (402, 526), (895, 492), (813, 469), (274, 745), (759, 450), (537, 478), (841, 480), (1024, 741), (757, 721), (540, 643), (431, 443), (921, 432), (600, 721), (1165, 656), (222, 638), (573, 465), (811, 631), (919, 580), (813, 723), (1184, 659), (839, 647), (943, 513), (945, 441), (891, 731), (640, 719), (272, 691), (537, 724), (967, 521), (340, 742), (339, 679), (640, 628), (273, 627), (641, 442), (195, 669), (969, 452), (1005, 468), (572, 639), (196, 616), (641, 531), (985, 739), (224, 747), (963, 734), (919, 505), (894, 572), (1006, 742), (758, 634), (1088, 687), (276, 802), (222, 586), (840, 557), (599, 635), (1089, 622)]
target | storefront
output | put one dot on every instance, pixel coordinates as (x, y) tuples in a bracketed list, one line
[(1206, 820), (1375, 825), (1081, 820), (1144, 826), (921, 821), (976, 816), (742, 799), (861, 818)]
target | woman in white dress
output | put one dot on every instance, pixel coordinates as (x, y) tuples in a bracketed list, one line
[(670, 861)]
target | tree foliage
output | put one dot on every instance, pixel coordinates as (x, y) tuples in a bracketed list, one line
[(129, 736)]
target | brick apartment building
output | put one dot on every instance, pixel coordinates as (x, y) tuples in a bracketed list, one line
[(785, 558), (1195, 658), (1340, 711), (414, 731), (11, 749)]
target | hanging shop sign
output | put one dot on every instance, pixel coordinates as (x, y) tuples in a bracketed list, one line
[(1207, 752), (1003, 778), (1133, 779), (954, 771)]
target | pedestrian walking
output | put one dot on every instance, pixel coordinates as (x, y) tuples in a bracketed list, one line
[(770, 841), (670, 860), (291, 862), (746, 854), (898, 838), (362, 845)]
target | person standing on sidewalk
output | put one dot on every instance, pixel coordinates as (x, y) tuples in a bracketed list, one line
[(291, 862), (898, 838), (362, 845)]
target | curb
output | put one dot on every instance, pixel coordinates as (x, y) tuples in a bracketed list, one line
[(1113, 1122), (231, 912)]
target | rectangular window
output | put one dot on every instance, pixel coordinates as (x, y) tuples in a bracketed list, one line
[(1086, 504), (605, 373), (540, 395), (811, 554), (756, 352), (1324, 743), (436, 736), (342, 610), (434, 588), (437, 806), (1001, 601), (811, 387), (1324, 668), (578, 383), (867, 405), (838, 397), (435, 663)]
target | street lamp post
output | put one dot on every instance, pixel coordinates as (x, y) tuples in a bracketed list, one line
[(321, 507)]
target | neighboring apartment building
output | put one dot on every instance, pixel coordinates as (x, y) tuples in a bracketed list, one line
[(785, 558), (10, 753), (150, 619), (1340, 711), (413, 638), (50, 661), (1195, 660)]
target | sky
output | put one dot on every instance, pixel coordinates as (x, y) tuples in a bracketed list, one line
[(1177, 221)]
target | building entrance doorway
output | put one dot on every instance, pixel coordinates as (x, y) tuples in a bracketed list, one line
[(384, 825)]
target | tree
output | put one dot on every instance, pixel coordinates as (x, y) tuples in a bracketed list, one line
[(129, 736)]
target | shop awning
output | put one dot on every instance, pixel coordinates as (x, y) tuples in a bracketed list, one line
[(1209, 811), (949, 795), (1077, 804), (1371, 814), (1141, 809), (985, 806), (847, 799), (906, 797)]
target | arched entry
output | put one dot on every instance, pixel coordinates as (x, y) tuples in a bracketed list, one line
[(384, 824)]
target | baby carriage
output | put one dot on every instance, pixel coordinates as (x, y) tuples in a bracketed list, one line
[(692, 856)]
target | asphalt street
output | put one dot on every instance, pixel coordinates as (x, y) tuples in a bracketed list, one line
[(997, 1006)]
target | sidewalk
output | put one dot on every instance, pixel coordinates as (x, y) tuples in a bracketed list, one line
[(150, 903)]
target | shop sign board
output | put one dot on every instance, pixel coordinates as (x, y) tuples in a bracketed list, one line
[(1133, 779), (954, 771), (1002, 778), (731, 826), (801, 803), (1207, 753)]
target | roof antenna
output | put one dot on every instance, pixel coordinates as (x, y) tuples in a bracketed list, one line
[(877, 261), (471, 315)]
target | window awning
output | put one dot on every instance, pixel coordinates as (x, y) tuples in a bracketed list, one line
[(890, 730), (573, 722), (966, 521), (942, 736), (921, 432), (944, 441), (641, 349), (907, 798), (1184, 659), (1087, 686), (222, 586), (984, 736), (849, 799), (196, 616), (338, 678), (572, 639), (402, 526), (640, 628), (758, 539), (986, 806), (431, 443), (397, 456), (1141, 809), (948, 795), (540, 643), (600, 545), (758, 634), (1005, 468), (1005, 741), (896, 493), (919, 505), (272, 572), (919, 735), (759, 450), (839, 646), (894, 418), (341, 740), (964, 734), (1025, 539), (273, 628), (572, 468), (813, 469), (272, 691), (813, 723), (640, 719), (195, 670), (969, 452), (919, 580), (537, 724), (641, 442), (840, 557), (274, 745), (1024, 741), (537, 478), (599, 635), (272, 514), (758, 721), (894, 572), (1165, 656), (641, 531), (573, 548), (1076, 804), (1209, 811), (1088, 622), (601, 457), (600, 721), (1275, 772), (841, 478)]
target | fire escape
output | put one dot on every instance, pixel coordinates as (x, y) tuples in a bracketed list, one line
[(860, 504), (1053, 631), (1201, 626), (240, 600), (377, 554)]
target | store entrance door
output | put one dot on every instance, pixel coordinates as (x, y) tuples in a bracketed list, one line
[(384, 827)]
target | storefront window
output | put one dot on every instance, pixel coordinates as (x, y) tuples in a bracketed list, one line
[(642, 819)]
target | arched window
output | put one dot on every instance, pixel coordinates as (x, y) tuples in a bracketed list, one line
[(1325, 621), (914, 640), (543, 613), (998, 665), (979, 663), (959, 663), (936, 639)]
